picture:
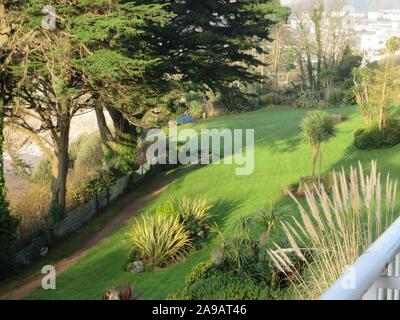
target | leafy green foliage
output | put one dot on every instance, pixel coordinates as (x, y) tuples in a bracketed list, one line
[(90, 154), (244, 253), (317, 127), (88, 189), (309, 99), (124, 155), (42, 172), (159, 240), (209, 41), (341, 97), (232, 100), (194, 214), (373, 138), (200, 271), (225, 286), (8, 222)]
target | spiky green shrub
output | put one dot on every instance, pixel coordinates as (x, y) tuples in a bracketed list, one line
[(159, 240), (194, 214), (309, 99), (334, 231), (192, 210)]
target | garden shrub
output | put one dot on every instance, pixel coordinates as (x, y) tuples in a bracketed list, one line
[(42, 172), (232, 100), (8, 235), (240, 267), (194, 214), (90, 153), (225, 286), (88, 188), (75, 147), (266, 100), (341, 96), (252, 103), (372, 138), (196, 109), (159, 240), (200, 271), (308, 182), (309, 99), (327, 180)]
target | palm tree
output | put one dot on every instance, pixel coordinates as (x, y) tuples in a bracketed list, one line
[(317, 127)]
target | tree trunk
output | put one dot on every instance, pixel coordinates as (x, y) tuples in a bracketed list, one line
[(316, 150), (105, 133), (121, 125), (59, 174)]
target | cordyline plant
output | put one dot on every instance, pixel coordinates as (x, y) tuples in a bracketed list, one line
[(317, 127), (159, 240), (335, 229)]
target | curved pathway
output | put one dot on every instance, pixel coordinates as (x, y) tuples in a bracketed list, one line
[(118, 221)]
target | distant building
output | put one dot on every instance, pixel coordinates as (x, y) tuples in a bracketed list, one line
[(372, 29)]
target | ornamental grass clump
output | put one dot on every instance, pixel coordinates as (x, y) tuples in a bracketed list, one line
[(192, 210), (159, 240), (333, 231)]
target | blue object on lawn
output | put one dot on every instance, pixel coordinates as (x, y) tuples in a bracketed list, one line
[(185, 119)]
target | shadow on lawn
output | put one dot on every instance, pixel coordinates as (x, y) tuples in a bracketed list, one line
[(222, 210)]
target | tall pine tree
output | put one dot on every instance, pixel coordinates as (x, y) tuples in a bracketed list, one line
[(212, 41)]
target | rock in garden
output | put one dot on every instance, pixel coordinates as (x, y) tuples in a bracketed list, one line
[(137, 267)]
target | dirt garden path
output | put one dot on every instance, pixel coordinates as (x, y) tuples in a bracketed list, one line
[(121, 219)]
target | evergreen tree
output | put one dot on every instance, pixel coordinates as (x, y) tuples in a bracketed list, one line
[(94, 55), (212, 42)]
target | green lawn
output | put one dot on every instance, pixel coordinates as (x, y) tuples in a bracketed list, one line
[(280, 159)]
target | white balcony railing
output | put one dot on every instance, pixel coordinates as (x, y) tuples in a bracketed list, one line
[(376, 273)]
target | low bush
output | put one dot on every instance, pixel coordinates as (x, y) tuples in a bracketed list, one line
[(308, 182), (201, 271), (90, 154), (195, 109), (267, 100), (312, 183), (159, 240), (227, 286), (42, 172), (170, 232), (31, 206), (244, 254), (8, 235), (194, 214), (309, 99), (373, 138), (232, 100), (240, 267), (88, 188), (341, 97)]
